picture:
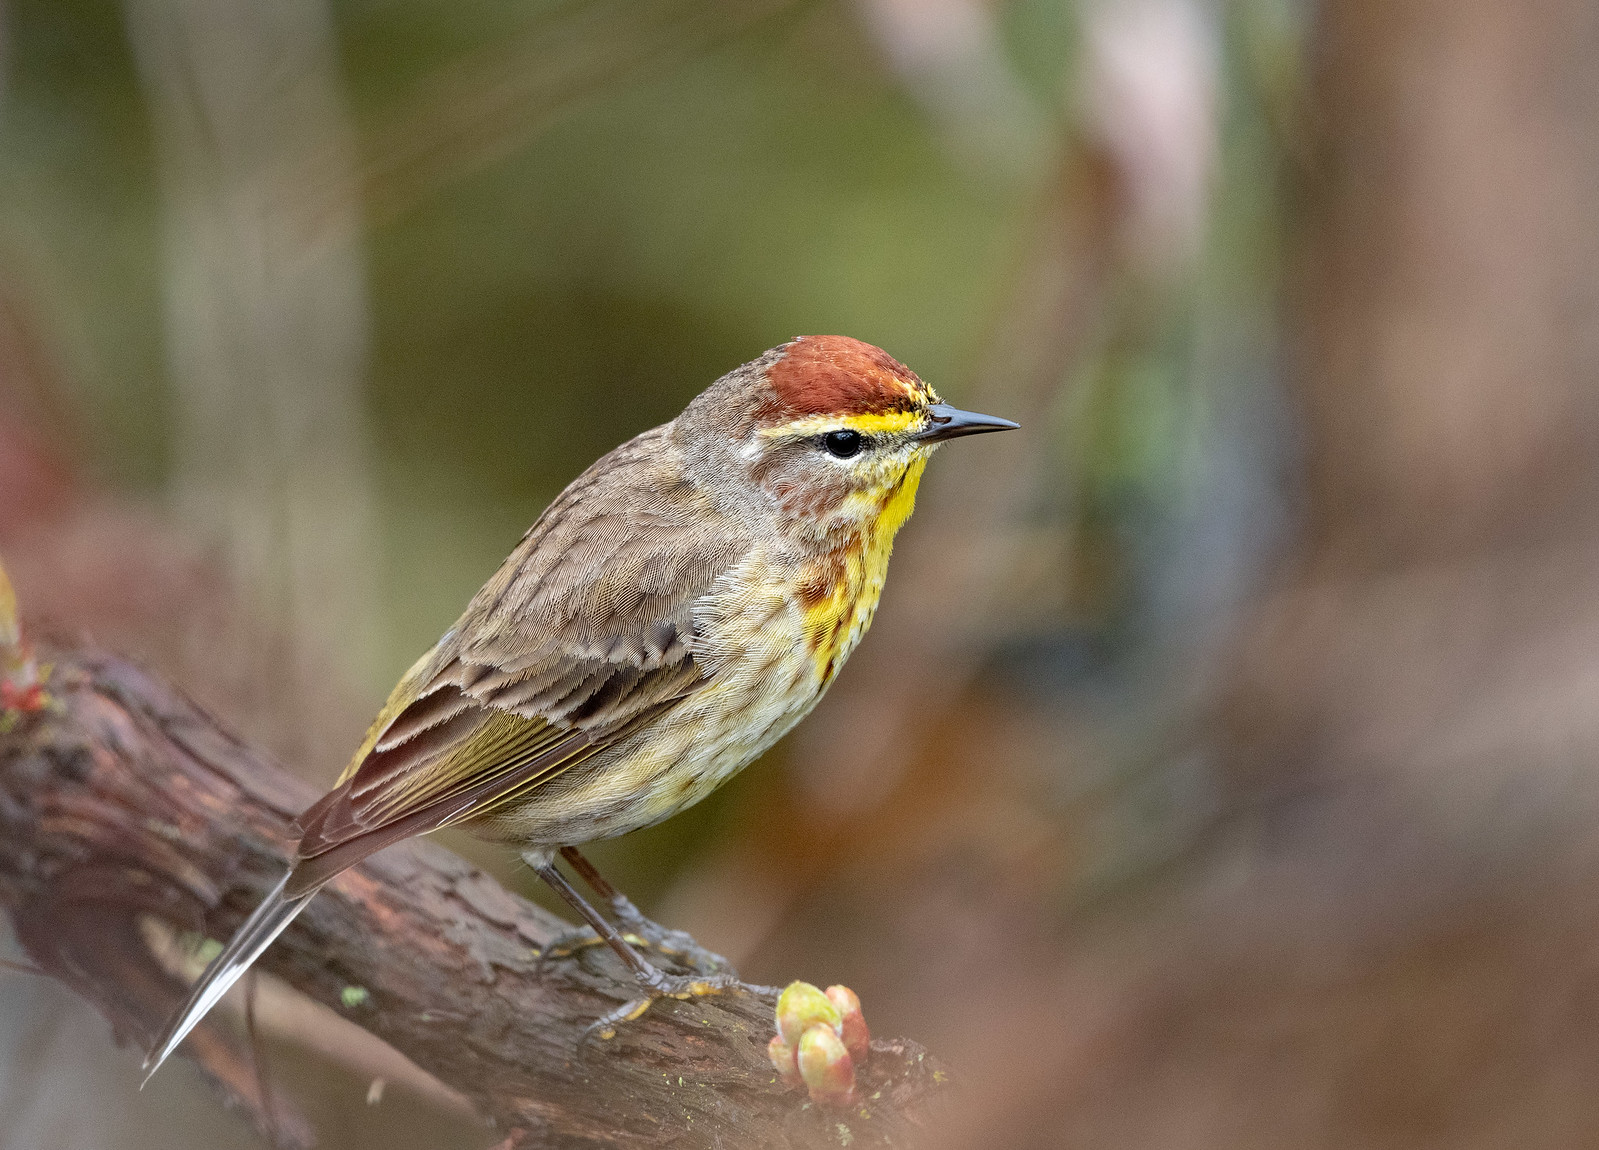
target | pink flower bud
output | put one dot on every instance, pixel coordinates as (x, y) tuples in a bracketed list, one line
[(800, 1007), (785, 1059), (826, 1067), (852, 1028)]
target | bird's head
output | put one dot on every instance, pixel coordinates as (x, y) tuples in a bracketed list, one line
[(834, 431)]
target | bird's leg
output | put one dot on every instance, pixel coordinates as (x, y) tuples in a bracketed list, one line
[(608, 934), (674, 944), (655, 982)]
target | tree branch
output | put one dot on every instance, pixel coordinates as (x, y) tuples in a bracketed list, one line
[(121, 803)]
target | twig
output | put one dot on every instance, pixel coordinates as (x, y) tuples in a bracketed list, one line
[(263, 1077)]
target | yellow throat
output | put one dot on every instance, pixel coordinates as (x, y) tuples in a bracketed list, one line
[(840, 590)]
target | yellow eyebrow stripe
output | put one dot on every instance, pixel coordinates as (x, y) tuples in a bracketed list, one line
[(888, 423)]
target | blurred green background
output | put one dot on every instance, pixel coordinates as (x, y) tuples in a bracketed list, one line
[(310, 308), (1221, 768), (530, 313), (577, 214)]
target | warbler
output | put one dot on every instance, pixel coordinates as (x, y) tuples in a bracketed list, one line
[(676, 610)]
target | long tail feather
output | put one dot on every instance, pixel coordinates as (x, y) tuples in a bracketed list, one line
[(247, 945)]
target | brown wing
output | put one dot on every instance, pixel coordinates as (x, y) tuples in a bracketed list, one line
[(585, 631)]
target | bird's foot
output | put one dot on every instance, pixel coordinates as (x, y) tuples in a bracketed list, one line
[(676, 945), (569, 942), (659, 985)]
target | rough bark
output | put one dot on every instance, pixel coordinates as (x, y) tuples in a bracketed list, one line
[(123, 803)]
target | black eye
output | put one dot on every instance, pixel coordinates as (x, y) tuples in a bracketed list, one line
[(843, 443)]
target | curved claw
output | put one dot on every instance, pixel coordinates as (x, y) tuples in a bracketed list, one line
[(604, 1027), (667, 986), (568, 943)]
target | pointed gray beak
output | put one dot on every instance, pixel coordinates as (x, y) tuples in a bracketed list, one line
[(951, 423)]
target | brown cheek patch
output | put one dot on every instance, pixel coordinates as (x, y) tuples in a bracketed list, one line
[(823, 374), (798, 494)]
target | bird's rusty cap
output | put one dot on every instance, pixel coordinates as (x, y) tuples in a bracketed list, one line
[(837, 375)]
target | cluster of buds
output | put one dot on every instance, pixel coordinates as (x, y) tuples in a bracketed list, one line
[(821, 1038)]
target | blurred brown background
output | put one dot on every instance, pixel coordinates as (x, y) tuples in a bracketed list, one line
[(1221, 769)]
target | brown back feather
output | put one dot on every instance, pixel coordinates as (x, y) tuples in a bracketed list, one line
[(585, 631)]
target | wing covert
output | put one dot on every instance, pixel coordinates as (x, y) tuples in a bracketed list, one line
[(585, 630)]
